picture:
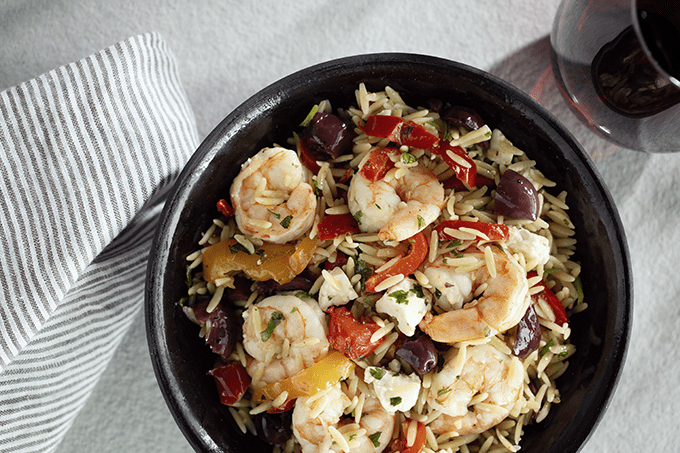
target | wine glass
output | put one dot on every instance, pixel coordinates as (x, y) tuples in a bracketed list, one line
[(618, 64)]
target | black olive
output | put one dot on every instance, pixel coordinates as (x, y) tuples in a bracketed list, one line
[(271, 287), (327, 135), (516, 197), (420, 353), (225, 329), (528, 334), (462, 116), (274, 429)]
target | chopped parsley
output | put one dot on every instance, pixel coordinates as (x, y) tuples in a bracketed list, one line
[(357, 217), (441, 392), (286, 221), (377, 206), (408, 158), (377, 373), (274, 321), (420, 222), (454, 244), (374, 438), (309, 116), (546, 348), (395, 401), (418, 291), (579, 290), (362, 268), (235, 248), (400, 296), (551, 271), (275, 214)]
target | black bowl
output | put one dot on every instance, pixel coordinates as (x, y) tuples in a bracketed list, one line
[(181, 359)]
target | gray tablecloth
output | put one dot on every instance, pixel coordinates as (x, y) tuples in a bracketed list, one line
[(227, 50)]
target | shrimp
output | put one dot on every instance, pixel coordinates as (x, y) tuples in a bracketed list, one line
[(477, 396), (313, 416), (396, 207), (284, 334), (501, 306), (272, 196)]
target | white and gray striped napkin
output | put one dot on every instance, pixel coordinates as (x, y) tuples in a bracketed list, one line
[(87, 152)]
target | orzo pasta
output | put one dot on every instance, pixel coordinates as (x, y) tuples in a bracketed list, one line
[(392, 278)]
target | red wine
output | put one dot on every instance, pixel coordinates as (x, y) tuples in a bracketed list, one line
[(620, 79), (662, 38)]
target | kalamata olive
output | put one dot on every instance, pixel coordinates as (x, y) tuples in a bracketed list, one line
[(420, 353), (528, 334), (516, 197), (224, 327), (327, 135), (298, 283), (274, 429), (462, 116), (241, 290)]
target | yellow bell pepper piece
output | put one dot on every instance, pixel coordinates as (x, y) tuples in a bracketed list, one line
[(310, 381), (281, 262)]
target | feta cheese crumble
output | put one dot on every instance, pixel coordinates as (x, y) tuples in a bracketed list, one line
[(407, 303), (336, 289), (395, 391)]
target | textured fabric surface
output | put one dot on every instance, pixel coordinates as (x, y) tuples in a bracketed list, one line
[(89, 150)]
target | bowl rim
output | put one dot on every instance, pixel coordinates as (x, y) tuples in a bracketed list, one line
[(271, 95)]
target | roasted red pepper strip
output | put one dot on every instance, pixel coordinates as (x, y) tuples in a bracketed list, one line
[(456, 184), (225, 208), (340, 260), (418, 444), (494, 231), (378, 163), (467, 173), (399, 130), (350, 336), (232, 381), (308, 159), (549, 296), (336, 225), (406, 265)]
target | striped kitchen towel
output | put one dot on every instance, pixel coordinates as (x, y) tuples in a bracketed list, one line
[(87, 154)]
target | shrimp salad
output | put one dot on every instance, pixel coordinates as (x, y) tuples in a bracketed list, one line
[(393, 278)]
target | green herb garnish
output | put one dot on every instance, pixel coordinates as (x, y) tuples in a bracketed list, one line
[(418, 291), (454, 244), (374, 438), (274, 321), (420, 222), (235, 248), (441, 392), (286, 221), (309, 116), (395, 401), (408, 158), (546, 348), (357, 217), (400, 296), (377, 373), (579, 290), (275, 214)]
